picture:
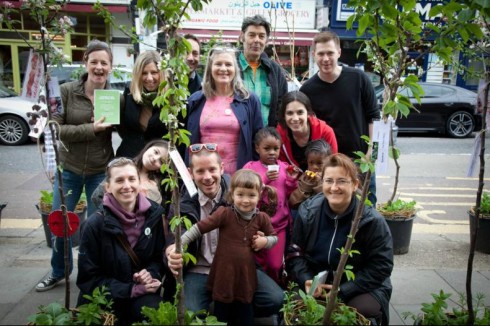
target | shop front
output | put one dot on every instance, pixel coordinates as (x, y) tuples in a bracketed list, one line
[(292, 21), (14, 51), (428, 66)]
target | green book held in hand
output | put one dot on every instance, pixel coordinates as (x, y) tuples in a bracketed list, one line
[(107, 105)]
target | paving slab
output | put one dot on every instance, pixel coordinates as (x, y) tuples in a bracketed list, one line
[(414, 286), (457, 280)]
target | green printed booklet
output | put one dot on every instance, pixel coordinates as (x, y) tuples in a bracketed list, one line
[(107, 105)]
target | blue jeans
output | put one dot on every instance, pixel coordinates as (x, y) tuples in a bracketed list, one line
[(72, 188), (268, 297)]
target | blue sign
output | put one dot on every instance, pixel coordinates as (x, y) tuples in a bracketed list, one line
[(341, 11)]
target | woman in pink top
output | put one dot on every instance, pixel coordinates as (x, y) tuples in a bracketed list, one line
[(224, 112), (279, 175)]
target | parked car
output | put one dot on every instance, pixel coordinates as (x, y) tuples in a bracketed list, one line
[(14, 123), (446, 109)]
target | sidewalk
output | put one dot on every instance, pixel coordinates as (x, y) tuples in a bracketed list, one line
[(437, 260)]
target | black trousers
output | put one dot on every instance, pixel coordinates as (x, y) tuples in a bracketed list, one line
[(128, 311), (235, 313)]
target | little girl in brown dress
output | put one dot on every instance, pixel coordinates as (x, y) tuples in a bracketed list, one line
[(242, 229)]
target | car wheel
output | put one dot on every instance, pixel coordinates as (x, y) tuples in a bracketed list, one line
[(460, 124), (13, 130)]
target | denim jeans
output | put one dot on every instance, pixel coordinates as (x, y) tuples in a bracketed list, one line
[(197, 296), (372, 189), (72, 188), (268, 297)]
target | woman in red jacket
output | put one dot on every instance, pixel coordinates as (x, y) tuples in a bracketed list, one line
[(297, 126)]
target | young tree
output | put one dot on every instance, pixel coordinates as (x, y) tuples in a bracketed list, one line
[(392, 28), (46, 13)]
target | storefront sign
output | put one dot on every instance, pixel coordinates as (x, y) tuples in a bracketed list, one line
[(104, 2), (225, 14), (342, 11)]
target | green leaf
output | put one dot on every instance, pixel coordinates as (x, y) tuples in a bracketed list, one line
[(187, 223), (475, 30), (388, 10), (394, 152), (350, 22), (350, 275), (464, 34), (363, 24)]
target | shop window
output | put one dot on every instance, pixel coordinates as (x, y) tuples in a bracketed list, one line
[(81, 24), (29, 24)]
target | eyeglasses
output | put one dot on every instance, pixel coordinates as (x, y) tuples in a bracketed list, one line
[(339, 182), (196, 148)]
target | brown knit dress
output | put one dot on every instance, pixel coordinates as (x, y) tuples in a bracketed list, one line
[(233, 275)]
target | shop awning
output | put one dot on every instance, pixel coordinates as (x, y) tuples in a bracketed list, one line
[(278, 37), (70, 7)]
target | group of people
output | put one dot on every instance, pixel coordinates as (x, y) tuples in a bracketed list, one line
[(276, 183)]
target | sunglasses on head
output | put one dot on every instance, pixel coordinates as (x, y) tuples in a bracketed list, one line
[(221, 49), (196, 148)]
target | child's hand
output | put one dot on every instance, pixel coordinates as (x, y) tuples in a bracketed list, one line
[(311, 177), (258, 242), (272, 175), (293, 171)]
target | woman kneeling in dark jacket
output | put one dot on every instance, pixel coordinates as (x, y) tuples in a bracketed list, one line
[(126, 216), (321, 229)]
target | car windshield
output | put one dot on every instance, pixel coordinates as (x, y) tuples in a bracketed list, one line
[(6, 92)]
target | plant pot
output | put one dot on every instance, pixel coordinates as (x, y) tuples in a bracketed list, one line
[(401, 232), (483, 237), (291, 318), (75, 239), (47, 231)]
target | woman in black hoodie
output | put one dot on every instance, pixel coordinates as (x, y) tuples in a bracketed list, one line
[(321, 229)]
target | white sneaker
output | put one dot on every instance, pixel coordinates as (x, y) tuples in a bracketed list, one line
[(48, 283)]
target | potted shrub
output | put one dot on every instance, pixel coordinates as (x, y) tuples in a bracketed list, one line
[(399, 215), (309, 311), (45, 206)]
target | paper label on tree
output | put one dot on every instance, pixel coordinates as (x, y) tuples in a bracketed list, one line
[(106, 104), (184, 173), (54, 102), (381, 144), (31, 87)]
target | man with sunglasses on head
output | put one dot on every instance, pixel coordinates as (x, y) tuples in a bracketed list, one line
[(206, 169), (260, 74)]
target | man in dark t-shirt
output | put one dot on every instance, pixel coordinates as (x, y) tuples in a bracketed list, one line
[(344, 98)]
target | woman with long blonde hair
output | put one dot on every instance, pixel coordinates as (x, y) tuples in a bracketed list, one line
[(140, 119)]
